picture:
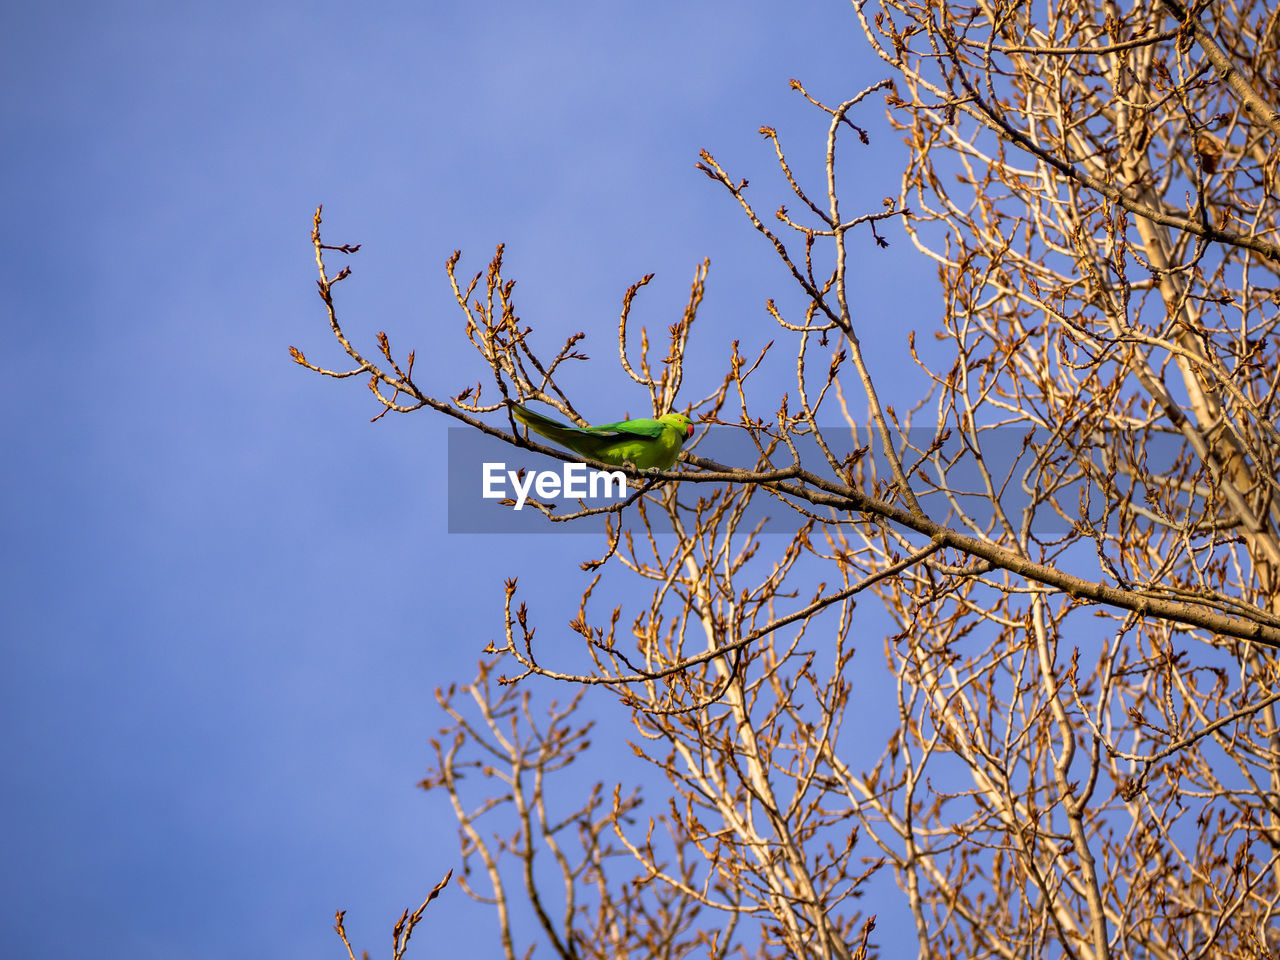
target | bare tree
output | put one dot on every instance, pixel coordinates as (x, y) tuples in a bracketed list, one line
[(1076, 530), (400, 933)]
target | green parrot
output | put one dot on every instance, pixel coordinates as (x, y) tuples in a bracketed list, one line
[(645, 444)]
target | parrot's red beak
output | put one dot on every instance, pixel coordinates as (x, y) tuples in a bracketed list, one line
[(688, 432)]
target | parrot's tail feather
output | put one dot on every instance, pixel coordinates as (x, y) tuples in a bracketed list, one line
[(551, 429), (579, 441)]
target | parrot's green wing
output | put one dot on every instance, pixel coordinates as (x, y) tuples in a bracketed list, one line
[(642, 427)]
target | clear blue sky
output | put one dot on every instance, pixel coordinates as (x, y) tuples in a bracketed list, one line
[(227, 595)]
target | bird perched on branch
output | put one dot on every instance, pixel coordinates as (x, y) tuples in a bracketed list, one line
[(645, 444)]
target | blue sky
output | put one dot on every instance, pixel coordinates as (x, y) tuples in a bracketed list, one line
[(228, 596)]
